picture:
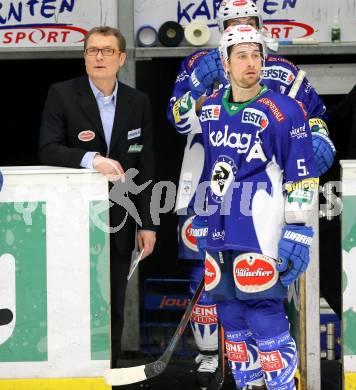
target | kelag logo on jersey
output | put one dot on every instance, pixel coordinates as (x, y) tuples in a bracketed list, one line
[(242, 142), (279, 73), (210, 113), (186, 235), (223, 174), (255, 117)]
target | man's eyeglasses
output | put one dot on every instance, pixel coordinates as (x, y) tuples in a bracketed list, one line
[(94, 51)]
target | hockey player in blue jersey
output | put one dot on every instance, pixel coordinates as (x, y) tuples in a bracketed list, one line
[(199, 74), (262, 186)]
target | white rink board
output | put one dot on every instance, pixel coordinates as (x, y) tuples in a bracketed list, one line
[(55, 324), (285, 19), (348, 229)]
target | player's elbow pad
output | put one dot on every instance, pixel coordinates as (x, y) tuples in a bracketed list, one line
[(300, 201)]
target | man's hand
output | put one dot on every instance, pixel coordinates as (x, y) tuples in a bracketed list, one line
[(146, 240), (112, 169)]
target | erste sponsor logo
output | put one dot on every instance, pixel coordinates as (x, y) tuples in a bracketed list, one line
[(211, 112), (279, 73), (255, 117)]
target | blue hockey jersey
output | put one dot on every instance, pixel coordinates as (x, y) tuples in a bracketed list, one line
[(251, 150)]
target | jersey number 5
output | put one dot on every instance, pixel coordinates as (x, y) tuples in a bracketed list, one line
[(302, 169)]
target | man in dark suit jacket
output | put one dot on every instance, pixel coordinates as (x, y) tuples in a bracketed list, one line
[(96, 122)]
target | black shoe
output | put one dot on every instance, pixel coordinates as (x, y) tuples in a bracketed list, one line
[(206, 370)]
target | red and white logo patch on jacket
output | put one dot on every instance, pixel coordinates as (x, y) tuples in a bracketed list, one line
[(86, 135)]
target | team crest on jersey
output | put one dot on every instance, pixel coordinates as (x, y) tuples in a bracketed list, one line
[(279, 73), (204, 315), (212, 273), (271, 361), (255, 117), (186, 234), (222, 175), (236, 351), (254, 272), (210, 113)]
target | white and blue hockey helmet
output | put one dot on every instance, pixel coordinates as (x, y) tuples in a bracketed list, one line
[(235, 35), (233, 9)]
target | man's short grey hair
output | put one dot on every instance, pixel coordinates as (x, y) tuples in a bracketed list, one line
[(107, 31)]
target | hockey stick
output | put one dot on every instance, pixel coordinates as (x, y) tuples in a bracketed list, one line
[(125, 376), (297, 83)]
